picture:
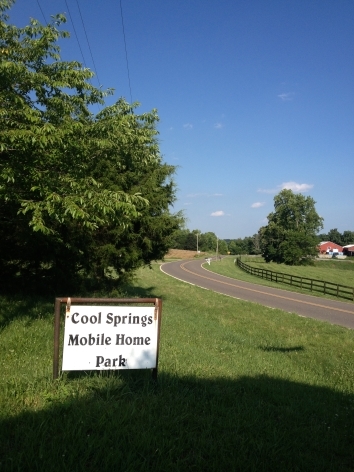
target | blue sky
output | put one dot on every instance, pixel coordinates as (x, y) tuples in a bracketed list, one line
[(253, 96)]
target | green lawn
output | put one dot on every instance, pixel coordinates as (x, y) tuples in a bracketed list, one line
[(240, 387), (332, 270), (335, 271)]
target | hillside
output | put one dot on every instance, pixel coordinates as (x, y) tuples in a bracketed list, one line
[(182, 254)]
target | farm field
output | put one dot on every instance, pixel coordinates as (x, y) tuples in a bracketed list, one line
[(337, 272), (240, 387), (332, 270), (182, 254)]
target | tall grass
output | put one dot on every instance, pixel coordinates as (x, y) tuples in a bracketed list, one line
[(240, 387)]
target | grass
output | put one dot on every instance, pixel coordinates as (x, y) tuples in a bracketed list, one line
[(332, 270), (240, 387), (337, 272)]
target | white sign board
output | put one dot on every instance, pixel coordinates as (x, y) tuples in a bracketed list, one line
[(110, 337)]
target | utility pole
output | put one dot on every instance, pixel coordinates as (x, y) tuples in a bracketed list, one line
[(197, 244), (217, 248)]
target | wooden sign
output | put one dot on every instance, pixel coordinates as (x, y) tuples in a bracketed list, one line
[(106, 337)]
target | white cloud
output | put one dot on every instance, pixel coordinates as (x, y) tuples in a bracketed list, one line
[(257, 204), (286, 97), (218, 125), (294, 186), (195, 195), (217, 213), (270, 190), (188, 126)]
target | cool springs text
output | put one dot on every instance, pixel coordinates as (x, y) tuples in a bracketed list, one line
[(111, 319)]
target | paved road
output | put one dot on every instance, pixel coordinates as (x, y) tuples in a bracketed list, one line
[(332, 311)]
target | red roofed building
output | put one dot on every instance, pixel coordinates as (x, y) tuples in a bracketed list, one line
[(348, 250), (328, 246)]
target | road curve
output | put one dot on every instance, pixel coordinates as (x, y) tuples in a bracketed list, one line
[(332, 311)]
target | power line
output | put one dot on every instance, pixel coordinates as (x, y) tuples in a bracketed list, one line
[(88, 43), (41, 10), (77, 39), (126, 53)]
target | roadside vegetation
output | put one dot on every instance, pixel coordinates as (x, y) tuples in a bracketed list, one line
[(240, 387), (79, 191), (336, 271)]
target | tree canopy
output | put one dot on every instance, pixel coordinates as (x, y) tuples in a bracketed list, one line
[(290, 236), (78, 190)]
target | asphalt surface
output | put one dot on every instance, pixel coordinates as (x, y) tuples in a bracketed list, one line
[(332, 311)]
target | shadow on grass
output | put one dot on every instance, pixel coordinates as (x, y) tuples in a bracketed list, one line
[(281, 349), (126, 422), (20, 304)]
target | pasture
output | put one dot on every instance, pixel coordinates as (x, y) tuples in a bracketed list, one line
[(336, 271)]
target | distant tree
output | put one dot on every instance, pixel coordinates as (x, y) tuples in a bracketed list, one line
[(248, 244), (208, 242), (185, 239), (256, 244), (191, 241), (322, 237), (237, 246), (335, 236), (222, 247), (290, 236), (348, 238), (179, 237)]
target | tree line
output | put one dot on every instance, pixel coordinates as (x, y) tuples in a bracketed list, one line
[(195, 240), (291, 235), (333, 235), (208, 242)]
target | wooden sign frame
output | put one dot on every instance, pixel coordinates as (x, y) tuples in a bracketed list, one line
[(157, 302)]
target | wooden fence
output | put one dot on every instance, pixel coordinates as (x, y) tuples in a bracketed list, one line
[(327, 288)]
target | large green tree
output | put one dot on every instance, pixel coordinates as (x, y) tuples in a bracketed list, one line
[(208, 241), (290, 236), (77, 190)]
